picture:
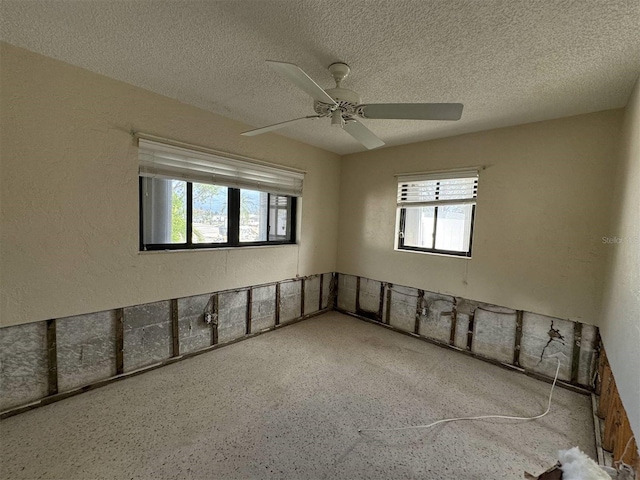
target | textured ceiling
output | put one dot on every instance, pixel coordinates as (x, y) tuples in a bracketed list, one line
[(509, 62)]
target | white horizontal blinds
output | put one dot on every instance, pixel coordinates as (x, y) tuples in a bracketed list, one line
[(166, 161), (438, 189)]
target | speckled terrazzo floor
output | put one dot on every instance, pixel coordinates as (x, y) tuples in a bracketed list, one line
[(288, 404)]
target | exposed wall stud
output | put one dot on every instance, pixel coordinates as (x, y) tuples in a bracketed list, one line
[(381, 304), (454, 322), (175, 329), (119, 341), (472, 317), (278, 303), (249, 308), (577, 341), (416, 329), (302, 298), (214, 324), (52, 357), (321, 285), (387, 319), (518, 341), (335, 290), (358, 294)]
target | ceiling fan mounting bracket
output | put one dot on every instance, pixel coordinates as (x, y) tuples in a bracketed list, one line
[(339, 71)]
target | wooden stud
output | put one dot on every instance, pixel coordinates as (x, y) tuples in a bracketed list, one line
[(249, 309), (472, 317), (214, 324), (388, 312), (612, 423), (175, 328), (454, 325), (416, 328), (302, 285), (623, 436), (52, 357), (606, 395), (518, 341), (577, 341), (119, 341), (381, 304), (277, 304)]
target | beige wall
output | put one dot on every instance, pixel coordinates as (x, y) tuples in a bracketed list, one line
[(69, 196), (620, 327), (543, 207)]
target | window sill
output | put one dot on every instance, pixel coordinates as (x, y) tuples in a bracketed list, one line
[(217, 249), (439, 254)]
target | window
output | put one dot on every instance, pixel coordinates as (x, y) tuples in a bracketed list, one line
[(191, 199), (436, 212)]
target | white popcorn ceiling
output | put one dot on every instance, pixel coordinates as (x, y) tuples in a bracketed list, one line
[(510, 62)]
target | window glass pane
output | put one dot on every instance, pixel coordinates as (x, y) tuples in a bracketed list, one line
[(210, 213), (164, 210), (253, 216), (418, 227), (453, 228), (279, 218)]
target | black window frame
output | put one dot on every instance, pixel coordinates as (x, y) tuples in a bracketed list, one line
[(402, 224), (233, 223)]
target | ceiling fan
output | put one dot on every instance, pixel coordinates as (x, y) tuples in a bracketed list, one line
[(343, 105)]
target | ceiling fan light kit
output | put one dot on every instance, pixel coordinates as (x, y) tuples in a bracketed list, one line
[(343, 105)]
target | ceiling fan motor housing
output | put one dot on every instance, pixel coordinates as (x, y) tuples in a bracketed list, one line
[(346, 99)]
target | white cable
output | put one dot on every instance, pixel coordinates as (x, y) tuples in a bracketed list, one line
[(483, 417)]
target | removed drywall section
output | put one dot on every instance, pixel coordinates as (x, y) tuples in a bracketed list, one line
[(312, 294), (368, 302), (436, 311), (495, 333), (543, 336), (328, 280), (147, 334), (47, 361), (263, 308), (232, 315), (404, 305), (85, 349), (290, 300), (23, 364), (347, 289), (195, 333)]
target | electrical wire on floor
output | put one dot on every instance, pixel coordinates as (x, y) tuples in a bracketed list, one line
[(482, 417)]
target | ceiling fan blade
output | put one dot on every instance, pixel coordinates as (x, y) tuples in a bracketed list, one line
[(361, 133), (301, 80), (413, 111), (275, 126)]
